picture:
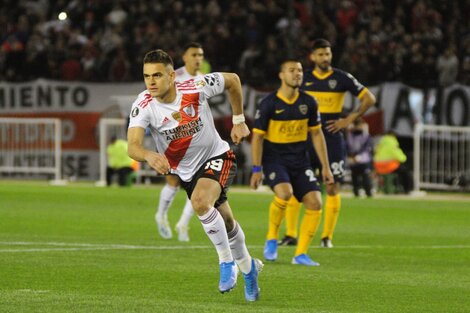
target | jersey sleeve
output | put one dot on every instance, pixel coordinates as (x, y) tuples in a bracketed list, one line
[(353, 85), (262, 116), (139, 117), (212, 84), (314, 120)]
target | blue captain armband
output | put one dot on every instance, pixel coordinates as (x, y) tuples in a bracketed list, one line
[(256, 169)]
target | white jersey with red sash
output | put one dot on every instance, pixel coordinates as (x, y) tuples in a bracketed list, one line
[(183, 130)]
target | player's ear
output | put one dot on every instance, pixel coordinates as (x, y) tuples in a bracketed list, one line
[(281, 75), (172, 75), (312, 56)]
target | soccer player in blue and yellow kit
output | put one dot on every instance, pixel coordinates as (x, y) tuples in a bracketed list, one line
[(328, 86), (279, 149)]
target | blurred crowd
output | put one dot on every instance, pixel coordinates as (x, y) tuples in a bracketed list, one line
[(423, 43)]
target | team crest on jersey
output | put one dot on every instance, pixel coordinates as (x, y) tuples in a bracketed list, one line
[(200, 84), (135, 112), (272, 175), (189, 110), (177, 116), (332, 83), (303, 108)]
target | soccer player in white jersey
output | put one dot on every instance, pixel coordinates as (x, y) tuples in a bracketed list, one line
[(188, 145), (192, 58)]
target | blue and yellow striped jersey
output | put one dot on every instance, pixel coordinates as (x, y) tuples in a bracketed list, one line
[(329, 90), (285, 125)]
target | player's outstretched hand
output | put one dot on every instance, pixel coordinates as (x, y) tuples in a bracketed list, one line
[(255, 180), (328, 178), (335, 126), (239, 131), (158, 162)]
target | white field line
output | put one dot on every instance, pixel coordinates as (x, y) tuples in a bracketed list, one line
[(61, 246)]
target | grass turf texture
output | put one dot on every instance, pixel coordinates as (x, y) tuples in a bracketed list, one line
[(85, 249)]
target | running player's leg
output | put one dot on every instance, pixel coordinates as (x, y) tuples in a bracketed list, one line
[(167, 194), (249, 266), (207, 190), (203, 198), (336, 156), (306, 187), (277, 177), (182, 226), (292, 222)]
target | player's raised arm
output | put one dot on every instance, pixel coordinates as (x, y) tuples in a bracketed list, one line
[(136, 150), (367, 101), (234, 88)]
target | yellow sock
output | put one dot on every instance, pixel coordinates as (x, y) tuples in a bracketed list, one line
[(332, 208), (292, 217), (308, 228), (277, 210)]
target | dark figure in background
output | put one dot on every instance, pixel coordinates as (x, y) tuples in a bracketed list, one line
[(359, 150), (118, 162)]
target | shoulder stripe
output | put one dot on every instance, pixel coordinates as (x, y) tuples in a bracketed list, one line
[(259, 131), (362, 93), (315, 127), (145, 101)]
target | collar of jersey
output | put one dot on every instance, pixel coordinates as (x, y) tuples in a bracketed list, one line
[(278, 94), (322, 76)]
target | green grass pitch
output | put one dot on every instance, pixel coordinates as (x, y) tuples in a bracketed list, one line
[(81, 248)]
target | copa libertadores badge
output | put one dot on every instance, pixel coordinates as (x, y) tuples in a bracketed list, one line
[(135, 112)]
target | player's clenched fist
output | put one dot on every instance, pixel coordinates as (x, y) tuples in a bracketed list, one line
[(158, 162)]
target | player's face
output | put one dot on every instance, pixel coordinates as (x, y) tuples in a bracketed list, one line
[(292, 74), (322, 58), (158, 78), (193, 58)]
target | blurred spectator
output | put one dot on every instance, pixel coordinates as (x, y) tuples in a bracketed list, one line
[(118, 162), (389, 158), (71, 69), (359, 149), (447, 67), (396, 40)]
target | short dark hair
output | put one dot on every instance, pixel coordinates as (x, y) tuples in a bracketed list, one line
[(281, 66), (158, 56), (320, 44), (192, 45)]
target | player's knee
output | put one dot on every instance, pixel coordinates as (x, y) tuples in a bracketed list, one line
[(200, 204), (285, 196)]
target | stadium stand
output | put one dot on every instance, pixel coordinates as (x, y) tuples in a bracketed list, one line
[(105, 40)]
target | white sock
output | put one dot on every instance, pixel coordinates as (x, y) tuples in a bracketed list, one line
[(214, 226), (188, 212), (239, 251), (166, 198)]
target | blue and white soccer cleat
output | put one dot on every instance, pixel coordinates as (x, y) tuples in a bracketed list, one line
[(270, 250), (251, 280), (303, 259), (228, 276)]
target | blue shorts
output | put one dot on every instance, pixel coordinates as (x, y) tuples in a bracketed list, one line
[(336, 147), (303, 179)]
